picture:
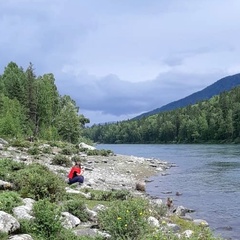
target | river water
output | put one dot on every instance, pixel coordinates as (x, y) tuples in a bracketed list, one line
[(208, 176)]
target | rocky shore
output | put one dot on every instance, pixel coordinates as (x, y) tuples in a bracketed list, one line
[(101, 172), (114, 172)]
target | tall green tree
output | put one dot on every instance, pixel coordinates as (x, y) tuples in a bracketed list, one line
[(12, 82), (31, 98), (47, 100), (68, 120), (12, 118)]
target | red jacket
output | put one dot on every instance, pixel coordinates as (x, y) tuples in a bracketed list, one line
[(74, 171)]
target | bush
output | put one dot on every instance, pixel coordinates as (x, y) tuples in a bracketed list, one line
[(9, 167), (20, 143), (77, 208), (69, 151), (38, 182), (33, 151), (96, 152), (9, 200), (47, 150), (125, 219), (61, 160), (114, 195), (76, 158), (47, 219), (158, 211)]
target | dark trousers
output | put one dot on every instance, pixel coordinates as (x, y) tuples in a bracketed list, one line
[(79, 179)]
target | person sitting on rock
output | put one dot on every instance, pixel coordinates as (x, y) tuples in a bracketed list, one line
[(75, 174)]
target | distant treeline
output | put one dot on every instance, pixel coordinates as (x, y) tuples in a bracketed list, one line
[(32, 106), (216, 120)]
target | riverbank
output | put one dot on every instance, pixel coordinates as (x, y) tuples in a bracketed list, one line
[(105, 173)]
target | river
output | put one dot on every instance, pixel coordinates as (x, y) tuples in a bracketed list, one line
[(207, 175)]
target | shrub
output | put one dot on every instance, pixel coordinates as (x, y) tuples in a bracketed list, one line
[(47, 150), (9, 200), (38, 182), (67, 151), (33, 151), (96, 152), (77, 208), (47, 219), (76, 158), (158, 211), (9, 167), (61, 160), (20, 143), (65, 234), (106, 153), (125, 219)]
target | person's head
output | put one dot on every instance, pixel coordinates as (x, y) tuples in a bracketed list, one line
[(78, 164)]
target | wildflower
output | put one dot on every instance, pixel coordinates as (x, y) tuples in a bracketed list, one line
[(140, 213), (119, 218)]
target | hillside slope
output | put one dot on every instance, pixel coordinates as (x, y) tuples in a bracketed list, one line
[(222, 85)]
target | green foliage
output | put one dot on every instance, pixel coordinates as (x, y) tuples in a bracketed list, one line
[(61, 160), (41, 232), (69, 235), (112, 195), (4, 236), (12, 118), (47, 219), (47, 150), (69, 151), (77, 208), (158, 211), (20, 143), (96, 152), (125, 219), (9, 200), (76, 158), (8, 168), (59, 144), (38, 182), (31, 105), (68, 121), (33, 151)]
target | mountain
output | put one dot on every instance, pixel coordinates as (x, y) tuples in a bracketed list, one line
[(222, 85)]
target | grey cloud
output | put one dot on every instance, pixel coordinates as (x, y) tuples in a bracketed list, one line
[(110, 95)]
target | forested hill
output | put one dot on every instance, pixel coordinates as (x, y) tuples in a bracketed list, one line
[(216, 120), (224, 84)]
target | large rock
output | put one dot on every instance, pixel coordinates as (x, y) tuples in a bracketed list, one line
[(21, 237), (8, 223), (84, 145), (153, 222), (22, 212), (69, 221)]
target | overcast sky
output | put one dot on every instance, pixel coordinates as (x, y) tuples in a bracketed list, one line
[(120, 58)]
